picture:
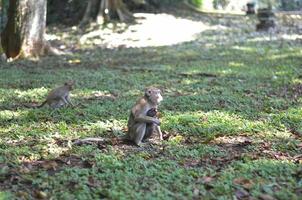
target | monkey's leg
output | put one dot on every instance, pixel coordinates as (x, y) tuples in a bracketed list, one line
[(53, 104), (160, 134), (56, 104), (149, 131), (68, 100), (137, 132), (63, 101)]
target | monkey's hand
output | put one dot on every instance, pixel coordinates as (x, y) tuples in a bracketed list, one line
[(156, 121), (147, 119), (152, 112)]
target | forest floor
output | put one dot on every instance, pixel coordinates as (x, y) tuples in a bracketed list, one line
[(231, 114)]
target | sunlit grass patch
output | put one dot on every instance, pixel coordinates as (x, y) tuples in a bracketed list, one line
[(211, 124)]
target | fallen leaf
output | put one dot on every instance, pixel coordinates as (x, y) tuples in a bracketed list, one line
[(74, 61), (24, 170), (40, 194), (92, 182), (114, 141), (196, 192), (266, 197), (22, 194), (246, 183), (49, 165), (68, 162), (207, 181), (88, 164), (241, 194)]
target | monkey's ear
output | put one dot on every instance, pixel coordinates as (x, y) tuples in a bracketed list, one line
[(148, 91)]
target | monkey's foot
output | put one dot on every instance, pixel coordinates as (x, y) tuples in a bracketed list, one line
[(145, 140)]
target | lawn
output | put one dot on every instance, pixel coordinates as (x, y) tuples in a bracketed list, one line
[(231, 116)]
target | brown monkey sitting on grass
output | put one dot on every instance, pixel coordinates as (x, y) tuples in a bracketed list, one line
[(142, 120)]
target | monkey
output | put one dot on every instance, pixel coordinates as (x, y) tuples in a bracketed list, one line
[(59, 96), (142, 121)]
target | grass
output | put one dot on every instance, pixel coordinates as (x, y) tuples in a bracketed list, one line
[(231, 118)]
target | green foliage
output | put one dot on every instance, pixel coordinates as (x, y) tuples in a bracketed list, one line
[(5, 195), (197, 3)]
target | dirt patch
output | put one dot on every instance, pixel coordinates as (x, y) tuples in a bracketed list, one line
[(292, 92)]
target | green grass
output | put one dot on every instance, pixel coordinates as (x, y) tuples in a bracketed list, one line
[(251, 92)]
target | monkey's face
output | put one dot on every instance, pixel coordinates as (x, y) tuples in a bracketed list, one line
[(70, 84), (154, 95)]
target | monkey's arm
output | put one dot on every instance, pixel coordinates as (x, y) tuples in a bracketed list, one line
[(68, 100), (139, 114), (42, 104), (147, 119)]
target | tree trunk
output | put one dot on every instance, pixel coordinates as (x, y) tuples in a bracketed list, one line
[(118, 8), (91, 11), (23, 35), (107, 11)]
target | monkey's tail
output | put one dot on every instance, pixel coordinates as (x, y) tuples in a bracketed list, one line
[(42, 104), (35, 106), (99, 140), (89, 141)]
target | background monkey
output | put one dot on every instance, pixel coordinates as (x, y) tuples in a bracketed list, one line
[(59, 96), (142, 121)]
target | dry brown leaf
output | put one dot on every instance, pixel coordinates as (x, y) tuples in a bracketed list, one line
[(266, 197), (40, 194), (196, 192), (246, 183), (241, 194), (22, 194), (50, 165), (207, 179), (92, 182)]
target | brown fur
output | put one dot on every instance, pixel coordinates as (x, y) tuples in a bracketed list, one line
[(140, 125), (59, 96)]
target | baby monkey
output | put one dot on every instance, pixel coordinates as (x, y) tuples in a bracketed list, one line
[(142, 120), (59, 96)]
